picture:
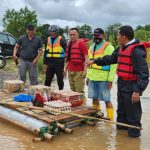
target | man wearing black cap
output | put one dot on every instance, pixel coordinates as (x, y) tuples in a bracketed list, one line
[(30, 49), (133, 77), (100, 77)]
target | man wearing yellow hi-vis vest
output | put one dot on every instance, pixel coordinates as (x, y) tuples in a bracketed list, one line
[(54, 57), (100, 78)]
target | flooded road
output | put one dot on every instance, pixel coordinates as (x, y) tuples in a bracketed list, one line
[(103, 136)]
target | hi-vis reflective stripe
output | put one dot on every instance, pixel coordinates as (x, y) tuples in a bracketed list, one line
[(55, 49), (104, 68), (98, 53), (56, 55)]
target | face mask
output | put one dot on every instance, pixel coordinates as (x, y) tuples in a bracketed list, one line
[(97, 40)]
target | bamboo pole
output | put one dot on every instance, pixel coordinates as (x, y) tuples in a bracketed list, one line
[(46, 135), (17, 123), (37, 139), (77, 115), (59, 125)]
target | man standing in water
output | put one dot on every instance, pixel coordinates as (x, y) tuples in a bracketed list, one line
[(100, 78), (133, 77), (77, 54)]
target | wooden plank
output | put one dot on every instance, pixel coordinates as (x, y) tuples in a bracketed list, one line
[(9, 96), (43, 115)]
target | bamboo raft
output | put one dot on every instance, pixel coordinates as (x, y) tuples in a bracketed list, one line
[(49, 125), (63, 123)]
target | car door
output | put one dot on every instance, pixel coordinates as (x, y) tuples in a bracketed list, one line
[(7, 43), (11, 45), (3, 43)]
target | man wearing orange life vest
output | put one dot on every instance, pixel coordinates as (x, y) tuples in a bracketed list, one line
[(100, 78), (76, 55), (54, 57), (133, 77)]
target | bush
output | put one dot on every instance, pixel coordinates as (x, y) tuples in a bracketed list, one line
[(41, 72)]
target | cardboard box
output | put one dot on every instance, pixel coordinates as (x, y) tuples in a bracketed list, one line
[(12, 86), (39, 88)]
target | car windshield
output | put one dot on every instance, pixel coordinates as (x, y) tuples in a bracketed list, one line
[(12, 40), (3, 38)]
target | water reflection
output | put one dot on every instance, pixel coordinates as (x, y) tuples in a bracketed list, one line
[(103, 136), (10, 143)]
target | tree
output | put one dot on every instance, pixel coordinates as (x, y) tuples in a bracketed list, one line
[(139, 27), (85, 31), (61, 31), (66, 30), (142, 35), (42, 31), (111, 33), (147, 27), (15, 22)]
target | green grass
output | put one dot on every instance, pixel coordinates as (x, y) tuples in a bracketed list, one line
[(41, 73), (12, 68)]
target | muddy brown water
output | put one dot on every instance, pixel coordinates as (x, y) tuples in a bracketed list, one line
[(103, 136)]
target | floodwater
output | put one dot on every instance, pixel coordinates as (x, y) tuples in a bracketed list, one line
[(103, 136)]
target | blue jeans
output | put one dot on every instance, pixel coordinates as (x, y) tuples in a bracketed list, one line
[(99, 90), (27, 66)]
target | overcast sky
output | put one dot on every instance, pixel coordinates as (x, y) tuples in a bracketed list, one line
[(97, 13)]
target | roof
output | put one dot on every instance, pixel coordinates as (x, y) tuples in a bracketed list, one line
[(7, 33)]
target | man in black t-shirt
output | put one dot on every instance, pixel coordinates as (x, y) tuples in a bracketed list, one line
[(29, 47)]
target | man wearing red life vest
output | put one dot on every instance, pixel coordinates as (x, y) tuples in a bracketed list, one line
[(76, 55), (133, 77), (54, 57)]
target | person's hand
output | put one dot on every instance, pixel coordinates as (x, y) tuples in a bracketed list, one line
[(85, 70), (109, 84), (34, 61), (44, 67), (135, 97), (15, 58), (89, 62)]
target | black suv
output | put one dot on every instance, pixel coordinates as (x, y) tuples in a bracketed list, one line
[(7, 43)]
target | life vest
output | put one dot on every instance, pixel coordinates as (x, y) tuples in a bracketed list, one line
[(55, 49), (98, 52), (74, 53), (125, 68)]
